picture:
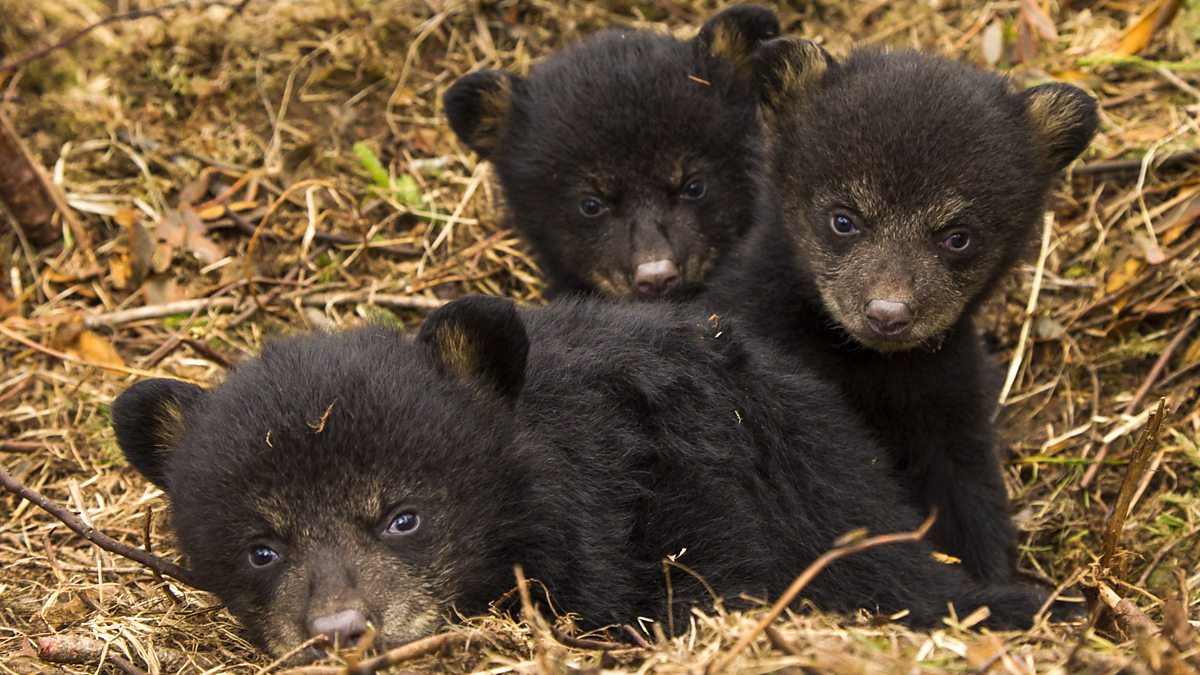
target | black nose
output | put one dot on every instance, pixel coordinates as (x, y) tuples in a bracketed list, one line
[(344, 628), (888, 319), (656, 279)]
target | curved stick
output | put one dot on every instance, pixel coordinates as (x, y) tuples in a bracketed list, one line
[(138, 555)]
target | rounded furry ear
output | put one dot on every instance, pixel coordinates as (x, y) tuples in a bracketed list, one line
[(479, 339), (788, 70), (1063, 117), (149, 418), (478, 105), (735, 33)]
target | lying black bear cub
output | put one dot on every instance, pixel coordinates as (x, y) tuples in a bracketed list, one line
[(906, 185), (626, 161), (371, 478)]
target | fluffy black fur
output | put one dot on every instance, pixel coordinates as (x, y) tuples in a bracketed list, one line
[(915, 155), (657, 139), (586, 441)]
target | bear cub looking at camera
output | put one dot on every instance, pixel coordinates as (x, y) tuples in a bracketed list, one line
[(905, 187), (371, 479), (628, 161)]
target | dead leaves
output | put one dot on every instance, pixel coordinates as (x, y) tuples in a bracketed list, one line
[(131, 257), (71, 337), (1034, 25), (182, 230), (993, 42), (1156, 16), (141, 252)]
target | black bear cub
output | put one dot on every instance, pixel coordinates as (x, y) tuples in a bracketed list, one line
[(905, 187), (373, 479), (626, 161)]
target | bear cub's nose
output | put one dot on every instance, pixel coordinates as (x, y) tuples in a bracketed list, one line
[(344, 628), (888, 319), (656, 279)]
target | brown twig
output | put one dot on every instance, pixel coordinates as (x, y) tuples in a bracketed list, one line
[(806, 577), (112, 18), (381, 299), (637, 637), (1140, 457), (320, 641), (78, 361), (80, 649), (1129, 616), (781, 643), (1160, 364), (244, 226), (412, 650), (584, 643), (1134, 163), (124, 666), (392, 657), (21, 447), (100, 539), (533, 619), (158, 311)]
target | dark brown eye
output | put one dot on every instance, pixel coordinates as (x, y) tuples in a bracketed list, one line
[(843, 223), (957, 241), (262, 556), (403, 523), (591, 208), (695, 189)]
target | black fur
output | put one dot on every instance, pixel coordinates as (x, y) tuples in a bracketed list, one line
[(628, 119), (638, 434), (912, 149)]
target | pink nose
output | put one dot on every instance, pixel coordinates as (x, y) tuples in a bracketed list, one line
[(656, 279), (343, 628), (888, 319)]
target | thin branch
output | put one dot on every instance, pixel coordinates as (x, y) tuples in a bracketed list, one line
[(82, 362), (68, 648), (392, 657), (158, 311), (533, 618), (100, 539), (1129, 616), (806, 578), (21, 447), (1134, 163), (584, 643), (637, 637), (1156, 371), (1142, 450), (110, 19)]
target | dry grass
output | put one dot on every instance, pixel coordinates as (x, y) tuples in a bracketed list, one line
[(209, 155)]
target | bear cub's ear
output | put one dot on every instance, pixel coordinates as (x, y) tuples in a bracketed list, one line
[(481, 340), (1063, 118), (149, 418), (734, 34), (789, 69), (478, 105)]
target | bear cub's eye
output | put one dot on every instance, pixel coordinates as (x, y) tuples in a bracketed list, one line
[(695, 189), (404, 522), (262, 556), (843, 223), (590, 208), (957, 241)]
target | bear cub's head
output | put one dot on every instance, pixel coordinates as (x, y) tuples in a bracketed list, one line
[(908, 183), (346, 481), (628, 161)]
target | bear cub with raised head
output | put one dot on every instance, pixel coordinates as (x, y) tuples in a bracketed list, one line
[(372, 479), (905, 186), (628, 161)]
